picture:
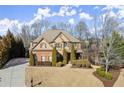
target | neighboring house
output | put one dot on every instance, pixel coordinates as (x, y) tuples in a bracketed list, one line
[(42, 46)]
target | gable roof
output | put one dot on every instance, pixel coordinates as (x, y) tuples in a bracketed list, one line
[(39, 43), (50, 35)]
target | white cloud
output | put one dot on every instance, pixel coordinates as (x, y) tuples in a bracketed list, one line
[(96, 7), (54, 14), (76, 6), (86, 16), (112, 14), (121, 13), (65, 11), (120, 10), (6, 24), (121, 25), (44, 12), (92, 30), (71, 13), (41, 13), (111, 7), (38, 17), (61, 11), (71, 21)]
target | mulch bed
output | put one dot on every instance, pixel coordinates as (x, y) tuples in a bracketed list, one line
[(109, 83)]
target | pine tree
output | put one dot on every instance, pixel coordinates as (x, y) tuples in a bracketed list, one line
[(10, 47), (31, 61), (3, 52), (118, 44), (73, 57), (0, 37), (20, 46), (12, 43), (1, 46), (54, 58), (64, 56), (6, 47), (113, 50)]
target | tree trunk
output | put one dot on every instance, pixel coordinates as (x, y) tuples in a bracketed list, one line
[(96, 59), (106, 65)]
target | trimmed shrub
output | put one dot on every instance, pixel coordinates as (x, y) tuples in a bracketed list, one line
[(64, 56), (31, 59), (102, 69), (73, 62), (88, 64), (64, 62), (108, 76), (101, 72), (54, 58), (81, 63), (59, 64), (84, 64), (72, 55)]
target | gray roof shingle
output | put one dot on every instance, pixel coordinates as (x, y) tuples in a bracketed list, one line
[(50, 35)]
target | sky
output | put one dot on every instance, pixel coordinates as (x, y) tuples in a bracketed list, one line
[(16, 15)]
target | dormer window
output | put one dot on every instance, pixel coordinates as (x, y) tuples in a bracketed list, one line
[(58, 45), (65, 44), (43, 45)]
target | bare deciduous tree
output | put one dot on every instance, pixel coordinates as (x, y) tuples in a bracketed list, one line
[(25, 35), (108, 26), (82, 30)]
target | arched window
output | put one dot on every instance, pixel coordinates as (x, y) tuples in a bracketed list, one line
[(43, 45)]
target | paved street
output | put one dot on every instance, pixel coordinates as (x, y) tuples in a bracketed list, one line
[(13, 73)]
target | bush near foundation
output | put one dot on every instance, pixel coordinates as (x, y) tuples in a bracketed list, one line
[(54, 57), (59, 64), (81, 63)]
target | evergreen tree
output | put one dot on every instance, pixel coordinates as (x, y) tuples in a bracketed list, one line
[(73, 57), (64, 56), (118, 45), (1, 46), (3, 52), (31, 61), (12, 44), (0, 37), (54, 58), (113, 50), (10, 47), (20, 47)]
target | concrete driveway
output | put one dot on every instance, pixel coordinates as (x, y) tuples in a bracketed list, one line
[(120, 81), (13, 73), (61, 77)]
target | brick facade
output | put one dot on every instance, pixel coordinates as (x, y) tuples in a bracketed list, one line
[(41, 53)]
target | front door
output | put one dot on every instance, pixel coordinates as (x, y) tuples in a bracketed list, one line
[(68, 57)]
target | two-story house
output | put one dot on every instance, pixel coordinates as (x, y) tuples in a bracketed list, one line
[(42, 46)]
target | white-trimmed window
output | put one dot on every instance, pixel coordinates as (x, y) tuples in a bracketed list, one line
[(43, 58), (58, 45), (49, 58), (65, 44)]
